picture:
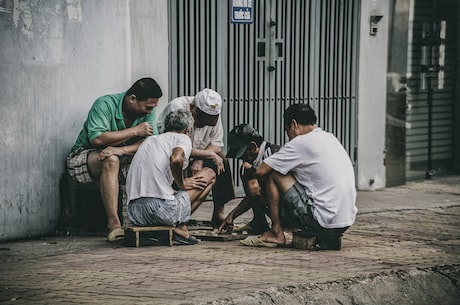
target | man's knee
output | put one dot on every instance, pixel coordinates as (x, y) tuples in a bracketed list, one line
[(111, 163), (282, 182), (252, 188), (208, 174)]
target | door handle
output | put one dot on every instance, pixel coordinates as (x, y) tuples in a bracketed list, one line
[(261, 49), (271, 68)]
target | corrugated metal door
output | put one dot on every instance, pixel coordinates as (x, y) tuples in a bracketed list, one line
[(295, 51), (417, 132)]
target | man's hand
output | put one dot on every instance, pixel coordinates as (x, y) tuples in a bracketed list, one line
[(219, 162), (227, 225), (195, 182), (110, 151), (143, 130), (196, 166)]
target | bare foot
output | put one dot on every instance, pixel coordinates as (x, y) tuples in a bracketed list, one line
[(182, 230), (273, 237), (113, 224)]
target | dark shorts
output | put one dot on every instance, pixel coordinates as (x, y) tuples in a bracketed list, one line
[(223, 189), (297, 211)]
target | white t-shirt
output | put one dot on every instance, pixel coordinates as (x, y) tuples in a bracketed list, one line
[(150, 173), (201, 137), (319, 162)]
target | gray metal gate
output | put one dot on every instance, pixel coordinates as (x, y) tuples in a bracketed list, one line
[(296, 51)]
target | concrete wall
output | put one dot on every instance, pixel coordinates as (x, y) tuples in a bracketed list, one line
[(56, 58), (372, 92), (457, 105)]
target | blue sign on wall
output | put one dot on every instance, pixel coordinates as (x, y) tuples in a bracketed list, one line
[(242, 11)]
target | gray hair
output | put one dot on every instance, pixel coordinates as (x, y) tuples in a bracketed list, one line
[(178, 120)]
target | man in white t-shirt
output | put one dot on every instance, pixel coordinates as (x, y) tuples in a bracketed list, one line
[(310, 184), (160, 161), (207, 141)]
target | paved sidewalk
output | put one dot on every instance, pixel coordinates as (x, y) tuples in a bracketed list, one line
[(405, 228)]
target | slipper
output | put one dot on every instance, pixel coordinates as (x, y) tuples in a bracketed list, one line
[(117, 234), (184, 240), (288, 239), (255, 241)]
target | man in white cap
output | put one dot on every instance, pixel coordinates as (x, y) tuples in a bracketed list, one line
[(207, 140)]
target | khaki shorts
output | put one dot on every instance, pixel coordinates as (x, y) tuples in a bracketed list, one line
[(77, 166)]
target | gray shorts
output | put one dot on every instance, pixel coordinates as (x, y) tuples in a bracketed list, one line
[(77, 166), (296, 209), (149, 211)]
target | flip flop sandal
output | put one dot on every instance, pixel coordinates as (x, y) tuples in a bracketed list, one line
[(184, 240), (255, 241), (288, 239), (117, 234)]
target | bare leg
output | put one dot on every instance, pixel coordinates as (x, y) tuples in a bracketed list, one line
[(218, 214), (182, 230), (277, 186), (253, 192), (107, 172), (223, 190), (197, 196)]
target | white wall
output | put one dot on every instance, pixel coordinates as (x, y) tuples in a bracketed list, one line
[(149, 42), (372, 92), (56, 58)]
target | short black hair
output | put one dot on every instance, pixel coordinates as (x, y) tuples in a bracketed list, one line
[(302, 113), (145, 88)]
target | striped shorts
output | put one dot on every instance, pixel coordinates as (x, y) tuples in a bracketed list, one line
[(148, 211)]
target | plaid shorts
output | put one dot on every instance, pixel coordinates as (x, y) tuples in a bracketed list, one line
[(77, 166)]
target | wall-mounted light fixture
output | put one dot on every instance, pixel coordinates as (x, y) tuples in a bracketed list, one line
[(375, 19)]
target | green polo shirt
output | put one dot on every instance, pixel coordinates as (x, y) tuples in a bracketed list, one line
[(106, 114)]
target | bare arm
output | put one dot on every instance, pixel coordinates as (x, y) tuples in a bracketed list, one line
[(177, 160), (211, 152), (243, 206), (119, 151), (116, 138), (262, 173), (207, 153)]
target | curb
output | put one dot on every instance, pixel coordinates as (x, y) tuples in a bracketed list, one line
[(427, 286)]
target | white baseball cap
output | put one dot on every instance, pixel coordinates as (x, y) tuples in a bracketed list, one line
[(208, 101)]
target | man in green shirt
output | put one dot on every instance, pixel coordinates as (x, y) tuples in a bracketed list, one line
[(115, 127)]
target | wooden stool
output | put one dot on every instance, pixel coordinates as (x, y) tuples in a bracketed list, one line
[(133, 233)]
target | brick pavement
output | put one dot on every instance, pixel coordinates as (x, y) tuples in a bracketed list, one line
[(401, 228)]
